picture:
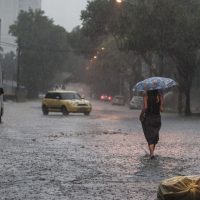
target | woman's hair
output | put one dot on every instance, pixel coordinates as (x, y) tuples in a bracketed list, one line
[(1, 91), (153, 100), (153, 93)]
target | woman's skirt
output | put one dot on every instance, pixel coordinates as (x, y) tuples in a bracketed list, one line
[(151, 127)]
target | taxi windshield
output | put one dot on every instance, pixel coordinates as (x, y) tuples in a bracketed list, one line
[(70, 96)]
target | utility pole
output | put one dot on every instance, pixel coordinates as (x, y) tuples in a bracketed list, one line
[(1, 78), (1, 81), (18, 69)]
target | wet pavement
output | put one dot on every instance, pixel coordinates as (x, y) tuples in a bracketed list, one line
[(98, 157)]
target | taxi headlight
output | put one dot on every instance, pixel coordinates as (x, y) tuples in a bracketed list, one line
[(74, 104)]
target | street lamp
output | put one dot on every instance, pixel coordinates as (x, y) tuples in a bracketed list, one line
[(119, 1), (129, 2)]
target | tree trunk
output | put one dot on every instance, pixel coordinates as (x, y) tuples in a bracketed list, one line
[(161, 66), (180, 101), (187, 101), (148, 60)]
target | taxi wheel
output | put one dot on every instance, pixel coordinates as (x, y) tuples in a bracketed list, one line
[(64, 110), (45, 110), (86, 113)]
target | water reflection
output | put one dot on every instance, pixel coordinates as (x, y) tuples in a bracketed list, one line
[(160, 168)]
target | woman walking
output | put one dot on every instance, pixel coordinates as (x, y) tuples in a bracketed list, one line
[(153, 105)]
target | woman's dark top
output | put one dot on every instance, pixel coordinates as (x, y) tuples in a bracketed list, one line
[(152, 123), (153, 103)]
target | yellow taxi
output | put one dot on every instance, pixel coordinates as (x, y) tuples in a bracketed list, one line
[(65, 102)]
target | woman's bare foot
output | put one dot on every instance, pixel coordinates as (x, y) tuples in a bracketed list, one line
[(152, 156)]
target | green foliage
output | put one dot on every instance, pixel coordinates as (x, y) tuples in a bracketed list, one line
[(105, 73), (9, 66), (81, 43), (95, 18), (43, 50), (166, 28), (108, 72)]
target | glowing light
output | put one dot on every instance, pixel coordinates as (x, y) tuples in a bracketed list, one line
[(119, 1)]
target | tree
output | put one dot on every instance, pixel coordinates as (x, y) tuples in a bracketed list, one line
[(163, 28), (81, 43), (99, 21), (95, 18), (111, 71), (168, 28), (9, 66), (43, 50)]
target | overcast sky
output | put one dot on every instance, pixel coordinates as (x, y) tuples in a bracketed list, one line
[(65, 13)]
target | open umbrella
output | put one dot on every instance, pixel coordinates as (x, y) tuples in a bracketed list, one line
[(154, 83)]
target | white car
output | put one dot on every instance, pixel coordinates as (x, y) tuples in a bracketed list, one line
[(136, 102), (118, 100)]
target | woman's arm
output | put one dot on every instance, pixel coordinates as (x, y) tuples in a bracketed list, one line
[(145, 102), (161, 103)]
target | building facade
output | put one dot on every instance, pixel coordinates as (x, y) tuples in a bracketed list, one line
[(9, 10)]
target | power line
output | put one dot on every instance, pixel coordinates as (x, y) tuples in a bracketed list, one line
[(8, 44), (40, 48), (37, 48)]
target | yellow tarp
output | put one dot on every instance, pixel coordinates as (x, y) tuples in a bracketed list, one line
[(180, 188)]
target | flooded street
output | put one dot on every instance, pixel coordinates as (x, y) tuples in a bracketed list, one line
[(98, 157)]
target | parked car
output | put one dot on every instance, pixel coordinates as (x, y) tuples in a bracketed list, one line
[(105, 97), (65, 102), (118, 100), (136, 102)]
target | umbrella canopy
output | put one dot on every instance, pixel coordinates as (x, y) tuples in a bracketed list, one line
[(154, 83)]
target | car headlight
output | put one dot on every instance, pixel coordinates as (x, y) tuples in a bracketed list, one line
[(74, 104)]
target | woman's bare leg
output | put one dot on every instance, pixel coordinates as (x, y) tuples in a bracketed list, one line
[(151, 149)]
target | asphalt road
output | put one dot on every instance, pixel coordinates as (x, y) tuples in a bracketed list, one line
[(98, 157)]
